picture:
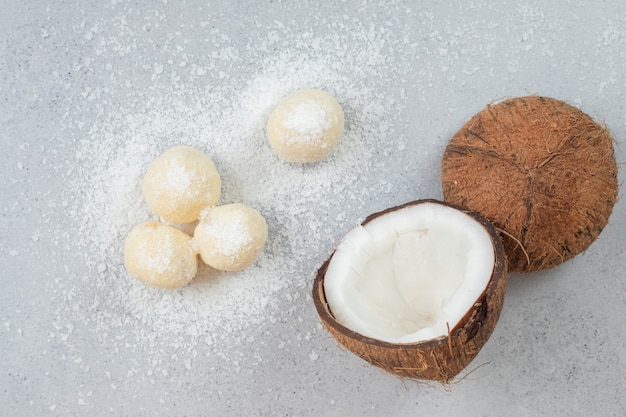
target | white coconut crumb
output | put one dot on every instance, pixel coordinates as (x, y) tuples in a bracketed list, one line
[(287, 196), (176, 180), (308, 121), (224, 116), (158, 264), (230, 237)]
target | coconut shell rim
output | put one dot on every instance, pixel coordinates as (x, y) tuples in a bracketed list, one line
[(498, 273)]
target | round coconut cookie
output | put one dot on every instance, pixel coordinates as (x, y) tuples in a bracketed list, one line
[(230, 237), (542, 170), (160, 255), (305, 126), (180, 183)]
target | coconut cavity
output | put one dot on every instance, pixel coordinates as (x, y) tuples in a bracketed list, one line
[(415, 290), (410, 275), (542, 170)]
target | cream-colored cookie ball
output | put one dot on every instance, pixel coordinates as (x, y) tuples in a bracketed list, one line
[(230, 237), (160, 255), (180, 183), (305, 126)]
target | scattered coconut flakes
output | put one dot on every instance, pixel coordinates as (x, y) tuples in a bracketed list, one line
[(158, 264), (308, 120), (230, 237), (177, 180), (227, 121)]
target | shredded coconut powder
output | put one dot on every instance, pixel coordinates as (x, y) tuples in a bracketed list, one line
[(309, 120), (230, 237), (305, 206)]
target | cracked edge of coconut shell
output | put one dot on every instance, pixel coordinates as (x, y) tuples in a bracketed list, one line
[(440, 359)]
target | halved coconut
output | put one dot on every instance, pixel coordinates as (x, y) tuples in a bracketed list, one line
[(415, 289)]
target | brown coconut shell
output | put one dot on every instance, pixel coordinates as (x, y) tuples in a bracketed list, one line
[(542, 170), (439, 359)]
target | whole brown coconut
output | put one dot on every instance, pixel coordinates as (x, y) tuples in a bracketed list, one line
[(438, 359), (542, 170)]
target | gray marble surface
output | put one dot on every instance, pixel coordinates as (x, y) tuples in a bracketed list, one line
[(74, 75)]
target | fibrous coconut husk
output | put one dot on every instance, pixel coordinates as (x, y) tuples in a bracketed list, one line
[(542, 170), (439, 359)]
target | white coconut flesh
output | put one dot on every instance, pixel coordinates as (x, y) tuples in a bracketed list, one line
[(409, 275)]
